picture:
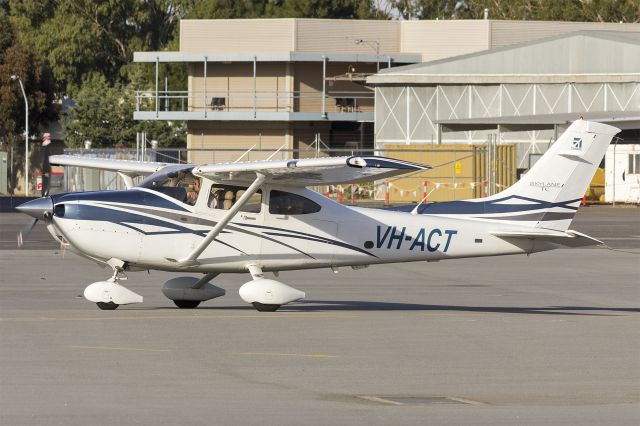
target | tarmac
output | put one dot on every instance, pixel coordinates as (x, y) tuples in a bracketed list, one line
[(553, 338)]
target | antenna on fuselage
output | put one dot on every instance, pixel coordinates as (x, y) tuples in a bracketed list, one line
[(415, 209)]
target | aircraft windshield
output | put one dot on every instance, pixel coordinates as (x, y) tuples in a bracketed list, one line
[(177, 182)]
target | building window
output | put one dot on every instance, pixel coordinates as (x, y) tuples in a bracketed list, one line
[(223, 197), (286, 203), (634, 164)]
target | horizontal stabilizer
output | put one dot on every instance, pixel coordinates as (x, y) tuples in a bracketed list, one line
[(569, 238)]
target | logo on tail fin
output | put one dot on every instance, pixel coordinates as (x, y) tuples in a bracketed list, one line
[(576, 144)]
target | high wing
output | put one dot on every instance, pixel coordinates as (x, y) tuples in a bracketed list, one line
[(126, 167), (296, 172), (310, 171)]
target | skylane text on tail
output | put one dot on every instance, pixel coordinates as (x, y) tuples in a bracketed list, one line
[(259, 217)]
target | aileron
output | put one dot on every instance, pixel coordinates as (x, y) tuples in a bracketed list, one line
[(128, 167)]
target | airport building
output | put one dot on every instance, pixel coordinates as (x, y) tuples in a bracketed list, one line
[(480, 100), (524, 93), (274, 84), (306, 84)]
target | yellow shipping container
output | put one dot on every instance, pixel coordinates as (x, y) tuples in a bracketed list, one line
[(459, 172)]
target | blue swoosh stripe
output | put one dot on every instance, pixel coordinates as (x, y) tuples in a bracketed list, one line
[(86, 212), (487, 207), (130, 196), (311, 237)]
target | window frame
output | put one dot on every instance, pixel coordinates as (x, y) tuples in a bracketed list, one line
[(317, 206), (172, 191), (235, 188)]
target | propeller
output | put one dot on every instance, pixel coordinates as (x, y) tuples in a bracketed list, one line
[(39, 209), (22, 235)]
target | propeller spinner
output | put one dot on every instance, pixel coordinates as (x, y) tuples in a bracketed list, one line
[(39, 209)]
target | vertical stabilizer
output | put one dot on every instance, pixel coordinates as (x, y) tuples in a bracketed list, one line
[(561, 176), (549, 194)]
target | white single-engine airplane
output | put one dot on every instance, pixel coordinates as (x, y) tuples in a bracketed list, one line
[(258, 216)]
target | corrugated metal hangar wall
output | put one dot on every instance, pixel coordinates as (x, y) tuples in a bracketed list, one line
[(408, 114), (581, 72)]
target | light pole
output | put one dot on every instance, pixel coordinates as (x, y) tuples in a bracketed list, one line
[(15, 77), (369, 43)]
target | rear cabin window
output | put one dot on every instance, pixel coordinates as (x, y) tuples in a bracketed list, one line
[(286, 203), (223, 197)]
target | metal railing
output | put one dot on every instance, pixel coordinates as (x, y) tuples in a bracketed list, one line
[(243, 101)]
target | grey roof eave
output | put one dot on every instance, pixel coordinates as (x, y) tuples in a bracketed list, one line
[(165, 57), (250, 116), (433, 79), (609, 35)]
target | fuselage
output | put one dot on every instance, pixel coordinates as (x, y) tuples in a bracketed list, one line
[(284, 229)]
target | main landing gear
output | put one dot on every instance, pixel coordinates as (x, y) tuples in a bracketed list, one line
[(188, 292), (264, 294), (267, 295)]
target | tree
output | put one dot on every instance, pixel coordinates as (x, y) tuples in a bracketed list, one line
[(230, 9), (38, 84), (544, 10), (102, 114), (81, 37), (336, 9)]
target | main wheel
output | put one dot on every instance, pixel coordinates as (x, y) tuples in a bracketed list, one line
[(107, 306), (265, 307), (187, 304)]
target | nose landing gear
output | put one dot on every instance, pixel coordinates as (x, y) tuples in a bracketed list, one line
[(108, 295)]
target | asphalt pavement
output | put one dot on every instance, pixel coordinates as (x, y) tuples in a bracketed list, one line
[(553, 338)]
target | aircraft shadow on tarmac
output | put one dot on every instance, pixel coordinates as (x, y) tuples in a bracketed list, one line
[(350, 305), (355, 306)]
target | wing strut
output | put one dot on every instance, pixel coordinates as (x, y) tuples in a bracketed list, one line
[(191, 258)]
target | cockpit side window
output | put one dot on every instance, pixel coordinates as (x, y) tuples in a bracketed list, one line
[(180, 184), (286, 203), (225, 196)]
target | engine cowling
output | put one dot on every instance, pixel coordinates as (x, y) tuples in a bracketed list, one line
[(181, 288), (269, 292)]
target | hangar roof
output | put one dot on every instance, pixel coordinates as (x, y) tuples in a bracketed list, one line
[(582, 56)]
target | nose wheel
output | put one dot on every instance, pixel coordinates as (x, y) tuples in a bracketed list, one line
[(265, 307), (109, 306), (108, 295)]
